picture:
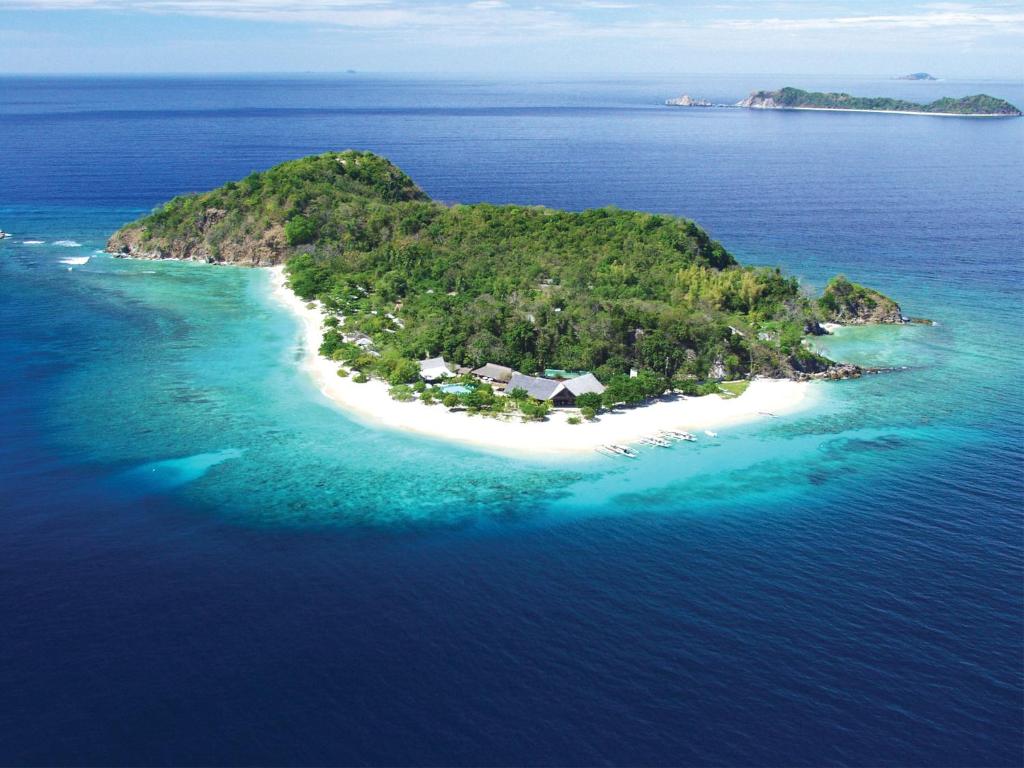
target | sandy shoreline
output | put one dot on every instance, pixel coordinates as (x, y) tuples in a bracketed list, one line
[(371, 404)]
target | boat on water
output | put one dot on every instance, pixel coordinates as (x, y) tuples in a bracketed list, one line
[(659, 442), (709, 433), (4, 234), (621, 450), (680, 435)]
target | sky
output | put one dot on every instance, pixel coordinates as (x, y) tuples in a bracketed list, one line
[(512, 37)]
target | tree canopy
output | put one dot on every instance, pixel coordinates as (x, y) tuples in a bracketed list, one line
[(603, 290)]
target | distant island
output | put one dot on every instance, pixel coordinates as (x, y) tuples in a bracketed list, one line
[(687, 101), (586, 309), (979, 105), (916, 76)]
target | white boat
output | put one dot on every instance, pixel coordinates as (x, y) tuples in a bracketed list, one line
[(658, 441), (680, 435), (622, 450), (709, 433), (3, 234)]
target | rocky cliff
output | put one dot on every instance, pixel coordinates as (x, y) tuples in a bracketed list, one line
[(852, 304), (263, 249), (688, 101), (760, 100)]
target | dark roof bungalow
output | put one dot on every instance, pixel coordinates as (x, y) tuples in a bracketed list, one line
[(536, 387), (583, 384), (494, 372), (561, 394)]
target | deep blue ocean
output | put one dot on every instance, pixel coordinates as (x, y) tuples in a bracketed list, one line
[(203, 562)]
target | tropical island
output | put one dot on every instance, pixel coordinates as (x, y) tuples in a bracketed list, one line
[(979, 105), (509, 311), (916, 76)]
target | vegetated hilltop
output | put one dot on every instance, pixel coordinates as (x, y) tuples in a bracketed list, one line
[(603, 290), (852, 304), (794, 98)]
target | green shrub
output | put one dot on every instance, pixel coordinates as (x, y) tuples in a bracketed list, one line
[(533, 410), (401, 392), (361, 378), (590, 400), (588, 413), (300, 230), (404, 371), (574, 420)]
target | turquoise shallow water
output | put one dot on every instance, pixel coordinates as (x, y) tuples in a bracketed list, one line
[(203, 561)]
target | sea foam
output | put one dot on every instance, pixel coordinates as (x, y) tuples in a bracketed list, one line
[(67, 243), (75, 261)]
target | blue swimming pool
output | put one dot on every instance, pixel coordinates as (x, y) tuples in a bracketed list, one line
[(456, 389)]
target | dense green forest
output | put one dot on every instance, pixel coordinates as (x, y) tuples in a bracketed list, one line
[(603, 290), (979, 104)]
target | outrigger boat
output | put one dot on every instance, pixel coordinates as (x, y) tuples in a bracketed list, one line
[(680, 435), (658, 441), (621, 450)]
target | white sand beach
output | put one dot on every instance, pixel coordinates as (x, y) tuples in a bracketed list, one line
[(371, 404), (883, 111)]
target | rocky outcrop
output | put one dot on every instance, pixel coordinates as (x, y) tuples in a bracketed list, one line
[(760, 100), (688, 101), (848, 303), (257, 250), (841, 371), (813, 328)]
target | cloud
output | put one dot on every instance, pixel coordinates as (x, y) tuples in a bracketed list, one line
[(963, 19), (480, 21)]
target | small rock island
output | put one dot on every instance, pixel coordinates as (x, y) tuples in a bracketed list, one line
[(688, 101), (916, 76)]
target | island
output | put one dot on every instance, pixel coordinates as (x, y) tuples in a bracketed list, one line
[(979, 105), (916, 76), (515, 312), (688, 101)]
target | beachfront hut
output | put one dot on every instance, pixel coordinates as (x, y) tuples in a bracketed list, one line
[(542, 389), (434, 368), (492, 372), (583, 384), (361, 340)]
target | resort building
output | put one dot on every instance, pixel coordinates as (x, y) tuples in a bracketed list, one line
[(561, 394), (361, 340), (434, 368), (490, 372), (583, 384)]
